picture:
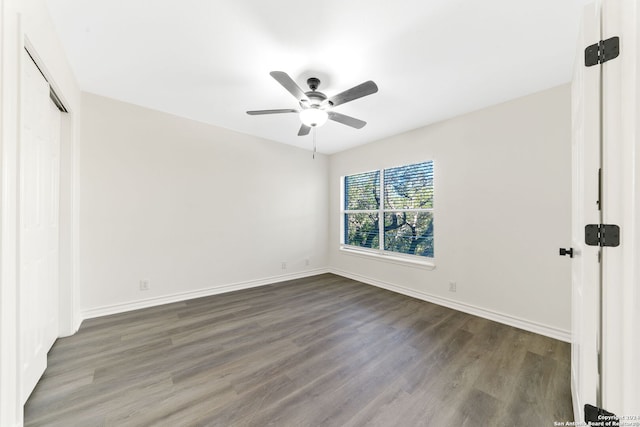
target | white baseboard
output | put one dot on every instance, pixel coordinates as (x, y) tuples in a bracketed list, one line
[(575, 398), (182, 296), (527, 325), (77, 322)]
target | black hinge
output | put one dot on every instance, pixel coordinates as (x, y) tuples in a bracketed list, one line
[(602, 51), (599, 417), (602, 235)]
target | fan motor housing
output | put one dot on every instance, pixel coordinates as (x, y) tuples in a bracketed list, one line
[(315, 98)]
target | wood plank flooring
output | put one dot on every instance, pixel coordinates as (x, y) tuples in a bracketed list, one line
[(320, 351)]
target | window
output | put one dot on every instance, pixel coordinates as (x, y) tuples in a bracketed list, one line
[(405, 206)]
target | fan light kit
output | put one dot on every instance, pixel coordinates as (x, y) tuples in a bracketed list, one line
[(315, 108), (313, 117)]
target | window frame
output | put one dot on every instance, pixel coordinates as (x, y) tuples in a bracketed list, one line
[(380, 252)]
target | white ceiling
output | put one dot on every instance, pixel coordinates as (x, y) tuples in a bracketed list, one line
[(210, 60)]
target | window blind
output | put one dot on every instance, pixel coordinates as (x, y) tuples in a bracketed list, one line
[(398, 218)]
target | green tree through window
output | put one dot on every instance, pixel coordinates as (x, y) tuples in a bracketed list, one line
[(405, 206)]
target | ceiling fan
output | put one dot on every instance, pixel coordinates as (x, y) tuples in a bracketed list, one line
[(315, 107)]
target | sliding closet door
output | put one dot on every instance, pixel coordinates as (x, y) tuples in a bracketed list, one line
[(38, 229)]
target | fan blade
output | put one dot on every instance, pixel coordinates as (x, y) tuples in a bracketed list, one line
[(346, 120), (363, 89), (288, 83), (283, 110), (304, 130)]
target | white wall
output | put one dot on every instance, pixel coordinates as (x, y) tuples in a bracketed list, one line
[(502, 201), (162, 199), (27, 23), (193, 208)]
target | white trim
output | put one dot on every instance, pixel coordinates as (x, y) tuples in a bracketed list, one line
[(183, 296), (620, 194), (391, 257), (10, 45), (575, 397), (517, 322)]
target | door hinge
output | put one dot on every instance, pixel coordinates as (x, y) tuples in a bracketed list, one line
[(602, 51), (602, 235), (600, 417)]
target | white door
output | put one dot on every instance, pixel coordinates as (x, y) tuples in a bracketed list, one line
[(38, 225), (585, 275), (606, 131)]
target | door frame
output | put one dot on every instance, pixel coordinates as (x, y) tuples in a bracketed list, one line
[(13, 39), (620, 292), (621, 201)]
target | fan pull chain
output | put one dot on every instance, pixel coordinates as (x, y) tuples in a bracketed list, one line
[(314, 142)]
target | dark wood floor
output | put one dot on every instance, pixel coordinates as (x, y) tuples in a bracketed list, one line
[(321, 351)]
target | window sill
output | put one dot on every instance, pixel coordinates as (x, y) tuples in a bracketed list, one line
[(394, 259)]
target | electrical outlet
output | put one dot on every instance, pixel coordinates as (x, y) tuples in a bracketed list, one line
[(453, 287), (144, 285), (284, 265)]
